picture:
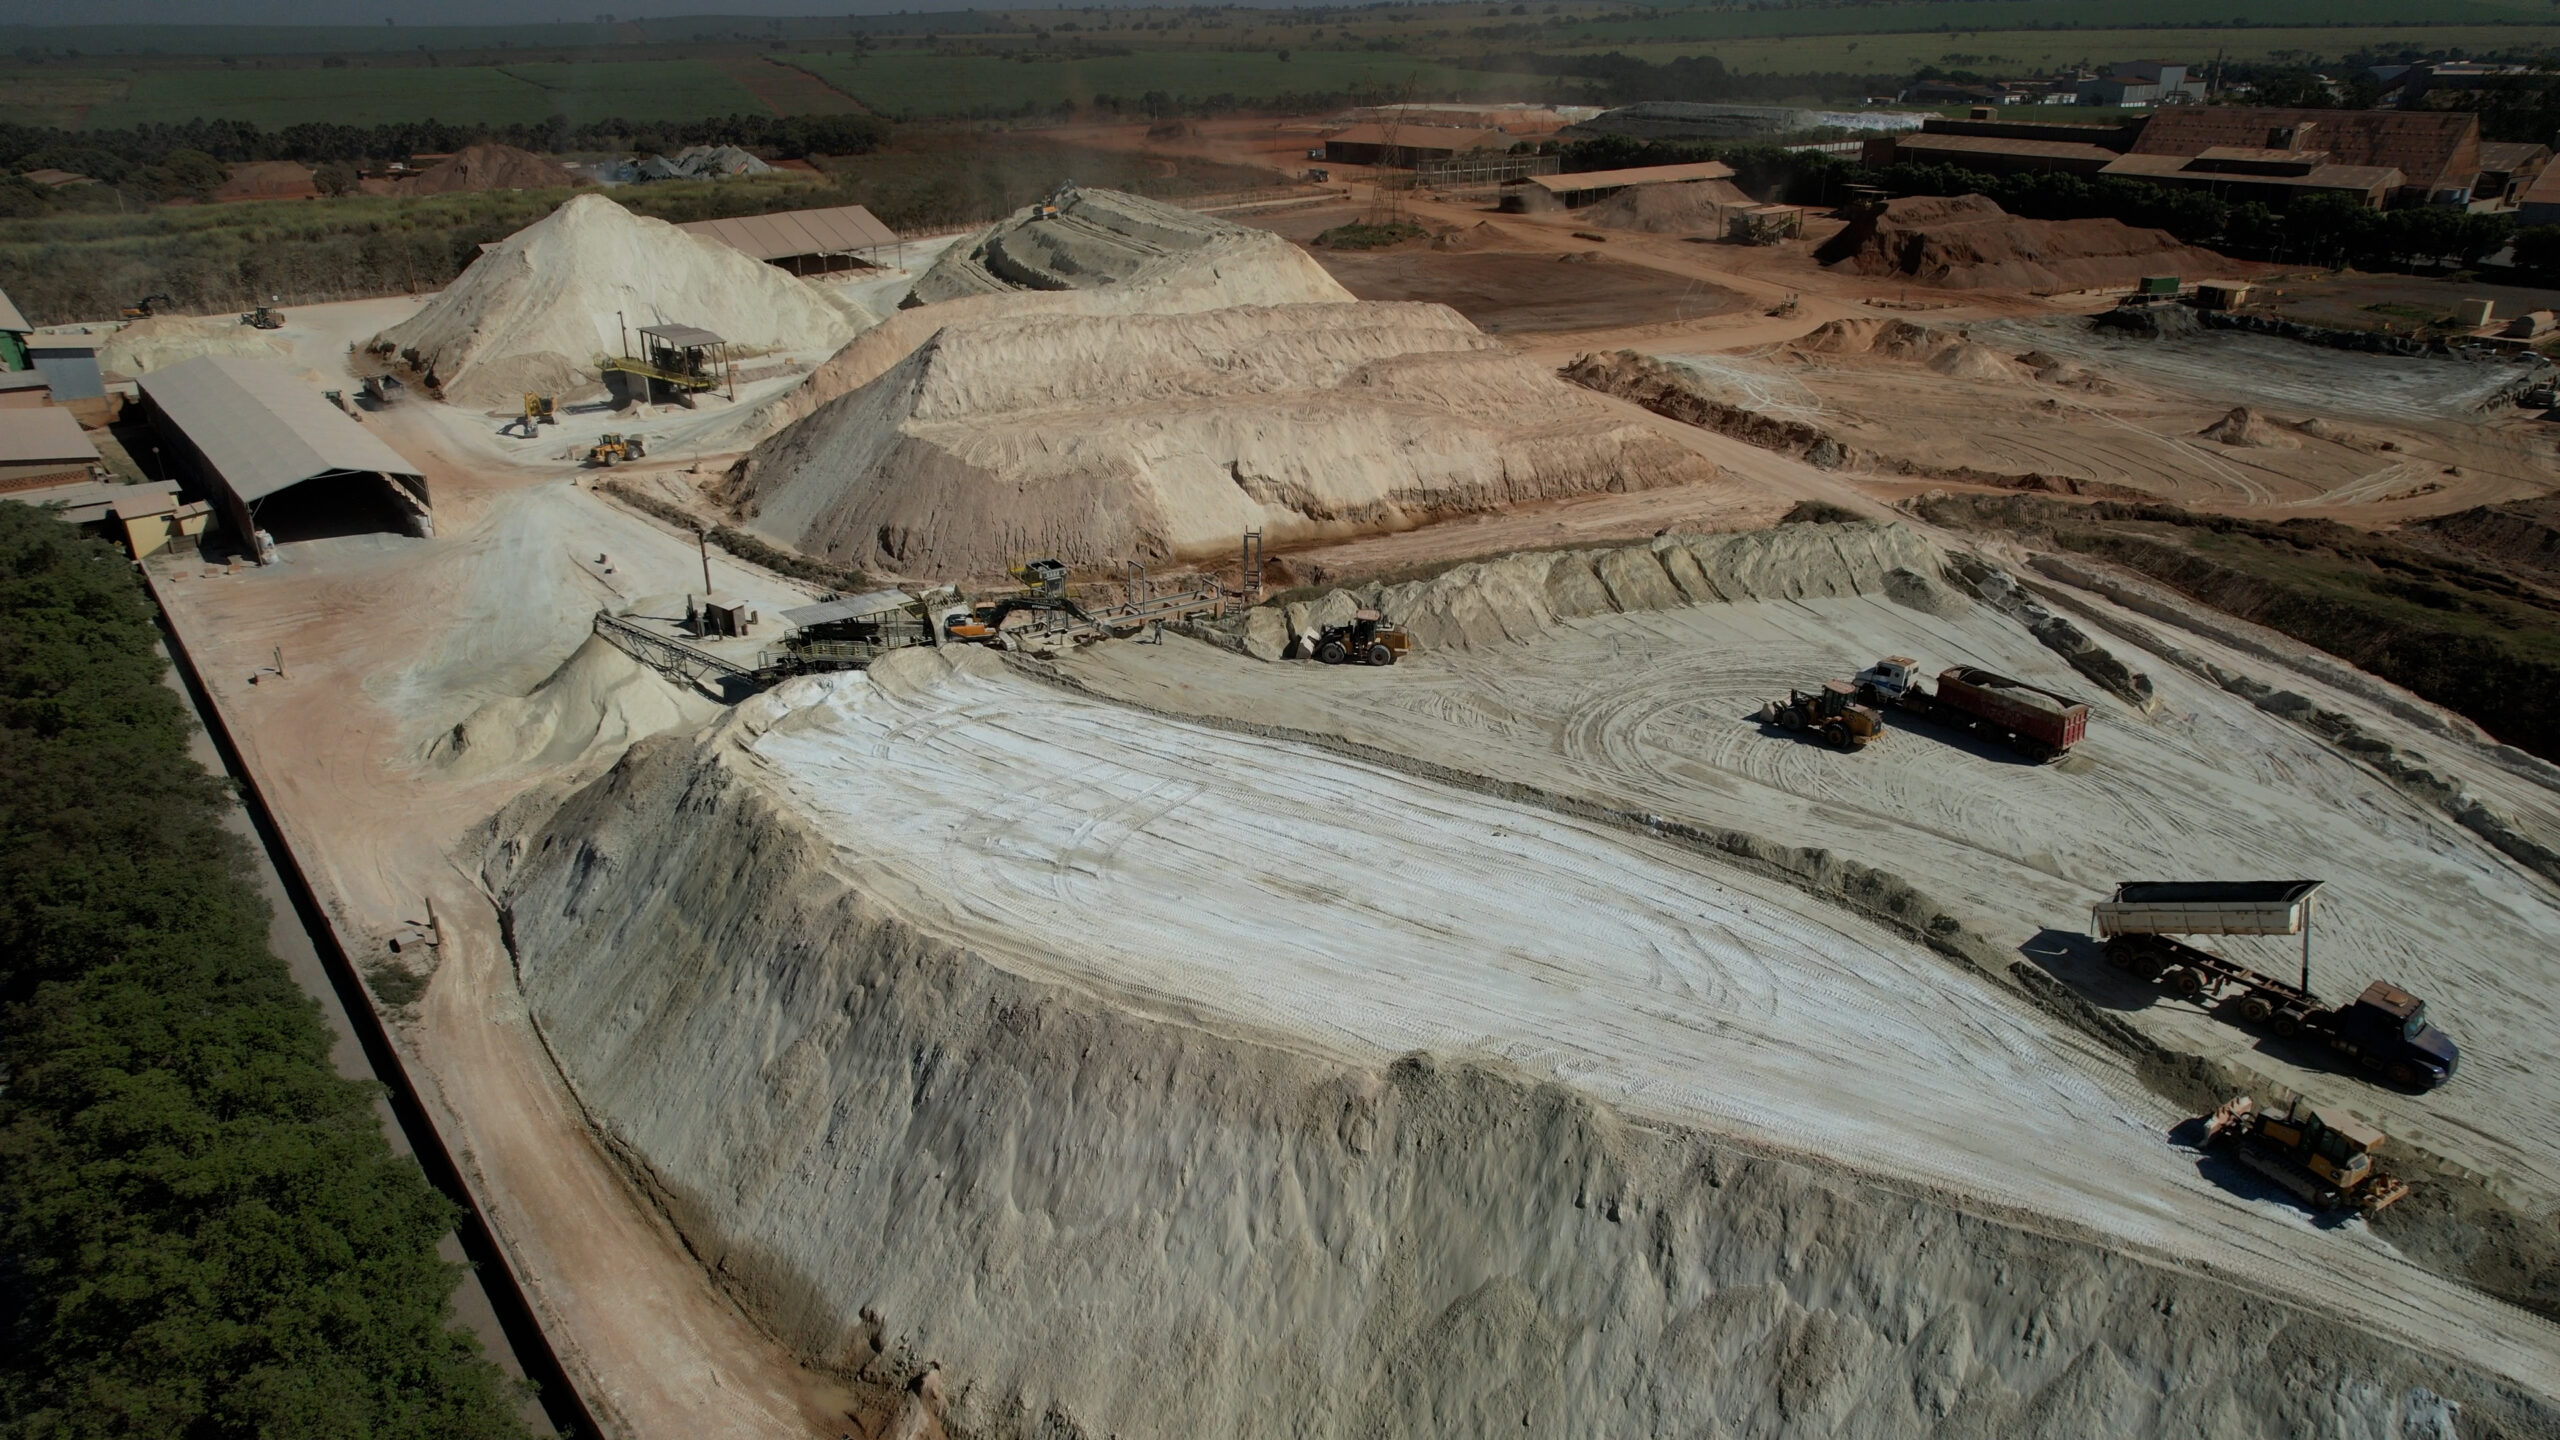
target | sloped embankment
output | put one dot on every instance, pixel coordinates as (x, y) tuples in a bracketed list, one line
[(1097, 1216)]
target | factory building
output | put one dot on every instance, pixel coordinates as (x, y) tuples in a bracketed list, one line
[(279, 462)]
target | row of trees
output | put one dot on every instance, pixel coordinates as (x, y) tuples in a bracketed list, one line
[(202, 1229)]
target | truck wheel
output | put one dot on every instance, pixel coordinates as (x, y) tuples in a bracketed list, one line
[(1332, 653), (2404, 1074), (1837, 736), (1791, 719), (1381, 655), (2183, 981), (2255, 1009), (2288, 1023), (2123, 954)]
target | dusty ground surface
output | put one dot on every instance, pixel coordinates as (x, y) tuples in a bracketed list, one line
[(387, 643), (1577, 289), (1046, 800)]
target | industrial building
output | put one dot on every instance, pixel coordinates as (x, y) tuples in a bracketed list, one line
[(1989, 154), (2540, 202), (2437, 153), (42, 447), (1589, 187), (1410, 144), (276, 459), (2264, 175), (2508, 168), (804, 242), (14, 331), (2142, 82)]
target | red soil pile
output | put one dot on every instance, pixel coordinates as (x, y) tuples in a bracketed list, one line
[(1967, 242), (267, 180), (490, 167)]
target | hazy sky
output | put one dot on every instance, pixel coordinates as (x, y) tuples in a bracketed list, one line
[(445, 12)]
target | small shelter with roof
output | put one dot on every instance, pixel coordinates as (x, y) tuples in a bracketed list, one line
[(276, 459), (14, 331), (42, 447)]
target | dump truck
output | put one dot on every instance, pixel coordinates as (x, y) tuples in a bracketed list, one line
[(2324, 1157), (2384, 1030), (1833, 712), (2038, 723), (1369, 639)]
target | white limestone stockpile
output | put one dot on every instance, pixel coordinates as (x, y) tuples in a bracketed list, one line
[(537, 311), (1152, 256), (161, 341), (1162, 1081), (1521, 597), (1098, 438)]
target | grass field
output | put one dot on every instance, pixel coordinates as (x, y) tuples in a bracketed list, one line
[(2020, 52), (636, 90), (1703, 22), (904, 85), (58, 97)]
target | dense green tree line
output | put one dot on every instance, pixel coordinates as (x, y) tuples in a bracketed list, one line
[(203, 1232)]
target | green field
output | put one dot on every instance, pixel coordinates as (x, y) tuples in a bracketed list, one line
[(904, 84), (643, 90), (2023, 52), (1717, 23)]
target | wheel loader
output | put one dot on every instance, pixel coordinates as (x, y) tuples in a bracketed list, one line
[(1832, 712), (2323, 1157), (1369, 639), (612, 449)]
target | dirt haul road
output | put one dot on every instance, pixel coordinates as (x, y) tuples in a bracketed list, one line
[(1652, 711), (1186, 869)]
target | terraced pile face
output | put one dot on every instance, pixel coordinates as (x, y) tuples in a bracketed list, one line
[(1105, 239), (1099, 438)]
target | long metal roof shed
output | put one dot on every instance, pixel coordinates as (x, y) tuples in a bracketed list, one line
[(255, 429), (800, 239)]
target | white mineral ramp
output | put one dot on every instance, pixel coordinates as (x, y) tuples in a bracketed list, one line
[(1192, 870)]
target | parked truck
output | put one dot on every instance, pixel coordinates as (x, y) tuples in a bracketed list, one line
[(2384, 1030), (2037, 723)]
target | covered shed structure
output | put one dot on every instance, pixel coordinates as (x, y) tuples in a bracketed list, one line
[(276, 459), (804, 242), (1587, 187)]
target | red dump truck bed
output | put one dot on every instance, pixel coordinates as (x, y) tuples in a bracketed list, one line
[(2042, 715)]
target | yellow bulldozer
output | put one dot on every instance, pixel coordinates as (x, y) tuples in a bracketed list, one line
[(2323, 1157)]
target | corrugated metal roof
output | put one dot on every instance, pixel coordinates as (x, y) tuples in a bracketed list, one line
[(852, 607), (262, 428), (1643, 175), (10, 319), (836, 230), (86, 500), (680, 335), (2320, 177), (35, 436), (2002, 145), (29, 379), (2433, 148)]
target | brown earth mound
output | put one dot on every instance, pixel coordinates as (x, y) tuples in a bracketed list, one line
[(267, 180), (2521, 535), (2244, 426), (1696, 208), (491, 167), (1967, 242)]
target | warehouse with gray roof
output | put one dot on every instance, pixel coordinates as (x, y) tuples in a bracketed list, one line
[(278, 461)]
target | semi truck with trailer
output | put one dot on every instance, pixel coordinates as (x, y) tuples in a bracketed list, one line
[(2384, 1030), (2038, 723)]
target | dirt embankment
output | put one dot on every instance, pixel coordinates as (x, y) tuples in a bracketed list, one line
[(1967, 242), (2467, 636), (2522, 536), (1662, 389), (865, 1124)]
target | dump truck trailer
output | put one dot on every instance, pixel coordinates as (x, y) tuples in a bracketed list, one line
[(2384, 1030), (2038, 723)]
